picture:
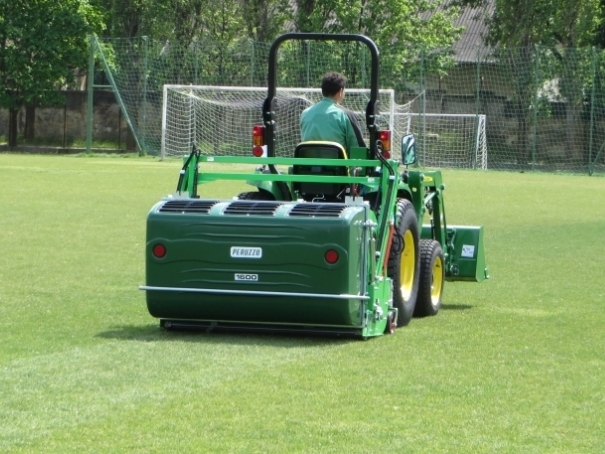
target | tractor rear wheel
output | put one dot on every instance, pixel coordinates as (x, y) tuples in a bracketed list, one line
[(432, 278), (403, 266), (256, 195)]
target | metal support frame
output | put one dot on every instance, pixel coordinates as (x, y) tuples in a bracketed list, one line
[(94, 44)]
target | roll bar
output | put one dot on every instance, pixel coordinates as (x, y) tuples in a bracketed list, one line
[(268, 105)]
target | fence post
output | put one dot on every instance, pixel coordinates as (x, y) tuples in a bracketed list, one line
[(422, 90), (114, 87), (196, 62), (252, 56), (308, 46), (477, 103), (145, 77), (90, 97), (592, 103), (535, 107), (363, 65)]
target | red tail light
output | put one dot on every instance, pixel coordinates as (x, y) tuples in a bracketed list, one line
[(385, 138), (331, 256), (258, 135), (257, 151), (159, 250)]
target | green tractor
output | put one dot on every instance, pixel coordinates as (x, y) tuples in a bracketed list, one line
[(335, 244)]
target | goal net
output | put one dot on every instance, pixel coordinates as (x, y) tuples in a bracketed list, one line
[(454, 141), (219, 120)]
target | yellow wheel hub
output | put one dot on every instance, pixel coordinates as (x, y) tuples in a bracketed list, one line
[(408, 265), (437, 281)]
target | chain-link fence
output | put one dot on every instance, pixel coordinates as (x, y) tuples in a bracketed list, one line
[(62, 128), (526, 108)]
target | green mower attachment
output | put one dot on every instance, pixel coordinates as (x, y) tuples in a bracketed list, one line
[(335, 244)]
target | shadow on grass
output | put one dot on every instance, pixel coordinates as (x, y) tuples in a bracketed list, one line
[(456, 307), (153, 333)]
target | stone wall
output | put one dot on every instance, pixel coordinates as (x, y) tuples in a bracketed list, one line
[(66, 125)]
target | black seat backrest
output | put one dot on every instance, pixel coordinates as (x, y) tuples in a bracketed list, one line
[(325, 150)]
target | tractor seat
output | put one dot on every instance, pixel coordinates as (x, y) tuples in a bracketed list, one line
[(324, 150)]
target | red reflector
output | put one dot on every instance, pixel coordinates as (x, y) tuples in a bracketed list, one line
[(159, 250), (386, 154), (257, 151), (331, 256)]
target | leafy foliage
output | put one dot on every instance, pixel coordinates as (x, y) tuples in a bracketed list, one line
[(187, 20), (42, 43), (533, 32), (401, 28)]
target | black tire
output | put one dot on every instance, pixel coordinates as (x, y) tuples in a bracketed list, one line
[(403, 266), (256, 195), (432, 278)]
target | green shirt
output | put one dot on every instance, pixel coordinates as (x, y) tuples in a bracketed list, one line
[(326, 120)]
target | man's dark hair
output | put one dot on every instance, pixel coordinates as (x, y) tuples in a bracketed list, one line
[(332, 83)]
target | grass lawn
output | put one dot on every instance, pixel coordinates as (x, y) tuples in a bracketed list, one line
[(513, 365)]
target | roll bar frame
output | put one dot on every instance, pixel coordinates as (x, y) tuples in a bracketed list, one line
[(268, 105)]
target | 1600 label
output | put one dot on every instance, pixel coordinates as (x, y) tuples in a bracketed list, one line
[(246, 277)]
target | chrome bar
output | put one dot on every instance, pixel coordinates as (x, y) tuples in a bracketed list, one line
[(253, 293)]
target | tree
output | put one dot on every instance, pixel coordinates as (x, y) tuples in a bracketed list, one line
[(574, 25), (123, 18), (560, 27), (403, 30), (42, 43), (264, 19), (185, 20)]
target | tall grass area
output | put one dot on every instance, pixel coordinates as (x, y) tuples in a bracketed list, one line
[(513, 365)]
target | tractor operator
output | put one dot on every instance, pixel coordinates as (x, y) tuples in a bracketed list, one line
[(328, 120)]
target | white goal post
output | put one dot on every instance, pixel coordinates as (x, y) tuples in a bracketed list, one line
[(218, 120), (454, 141)]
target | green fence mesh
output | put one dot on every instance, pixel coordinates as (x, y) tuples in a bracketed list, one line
[(514, 109)]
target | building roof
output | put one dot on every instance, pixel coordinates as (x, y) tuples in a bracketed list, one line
[(472, 38)]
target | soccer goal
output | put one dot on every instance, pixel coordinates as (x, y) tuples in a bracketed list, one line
[(219, 120), (446, 140)]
